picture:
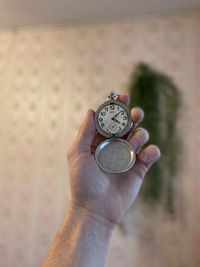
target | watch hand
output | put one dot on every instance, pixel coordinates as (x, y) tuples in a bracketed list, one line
[(115, 116), (115, 120)]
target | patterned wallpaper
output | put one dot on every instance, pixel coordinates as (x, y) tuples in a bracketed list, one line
[(49, 77)]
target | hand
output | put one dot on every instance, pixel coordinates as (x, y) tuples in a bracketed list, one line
[(102, 195), (115, 120)]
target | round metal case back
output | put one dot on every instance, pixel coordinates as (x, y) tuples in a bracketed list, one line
[(115, 155), (113, 118)]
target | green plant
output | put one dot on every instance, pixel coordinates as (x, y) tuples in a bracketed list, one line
[(160, 99)]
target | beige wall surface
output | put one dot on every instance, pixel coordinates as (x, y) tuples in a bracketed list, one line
[(49, 77)]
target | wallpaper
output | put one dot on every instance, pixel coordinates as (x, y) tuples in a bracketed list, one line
[(49, 78)]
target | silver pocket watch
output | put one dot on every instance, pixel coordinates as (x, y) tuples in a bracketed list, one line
[(113, 120)]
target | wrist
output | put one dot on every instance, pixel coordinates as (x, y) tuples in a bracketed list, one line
[(96, 226), (91, 215)]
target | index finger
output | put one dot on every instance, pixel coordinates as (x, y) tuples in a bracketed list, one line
[(124, 98)]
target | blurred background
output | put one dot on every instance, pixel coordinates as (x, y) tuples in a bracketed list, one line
[(57, 60)]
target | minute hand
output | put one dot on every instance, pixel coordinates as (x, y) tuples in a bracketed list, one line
[(115, 116)]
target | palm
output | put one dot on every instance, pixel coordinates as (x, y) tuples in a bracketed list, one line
[(104, 191)]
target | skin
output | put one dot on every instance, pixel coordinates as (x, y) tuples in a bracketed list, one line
[(99, 200)]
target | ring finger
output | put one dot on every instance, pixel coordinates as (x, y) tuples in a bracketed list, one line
[(138, 139)]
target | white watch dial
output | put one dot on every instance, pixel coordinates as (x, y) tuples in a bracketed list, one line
[(112, 118)]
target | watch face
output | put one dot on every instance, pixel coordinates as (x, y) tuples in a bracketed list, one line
[(113, 119)]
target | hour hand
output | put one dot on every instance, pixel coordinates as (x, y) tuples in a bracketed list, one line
[(115, 120)]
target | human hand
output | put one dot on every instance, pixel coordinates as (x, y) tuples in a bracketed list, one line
[(101, 195)]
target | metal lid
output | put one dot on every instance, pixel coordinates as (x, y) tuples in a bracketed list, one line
[(115, 155)]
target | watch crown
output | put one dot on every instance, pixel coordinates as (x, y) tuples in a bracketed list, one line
[(112, 96)]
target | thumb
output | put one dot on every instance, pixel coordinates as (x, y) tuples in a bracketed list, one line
[(86, 132)]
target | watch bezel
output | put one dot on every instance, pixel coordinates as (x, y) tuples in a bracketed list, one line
[(125, 130), (110, 141)]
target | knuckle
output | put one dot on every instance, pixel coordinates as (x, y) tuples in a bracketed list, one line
[(70, 153), (141, 170)]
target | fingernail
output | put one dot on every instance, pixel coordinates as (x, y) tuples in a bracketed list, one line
[(142, 111)]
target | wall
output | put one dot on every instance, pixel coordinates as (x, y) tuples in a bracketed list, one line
[(49, 77)]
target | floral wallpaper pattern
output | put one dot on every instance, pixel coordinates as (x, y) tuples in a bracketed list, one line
[(49, 77)]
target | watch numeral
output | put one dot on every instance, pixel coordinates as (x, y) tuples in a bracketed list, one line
[(112, 107), (106, 109), (123, 123)]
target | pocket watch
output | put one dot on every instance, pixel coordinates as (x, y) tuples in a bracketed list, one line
[(113, 121)]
